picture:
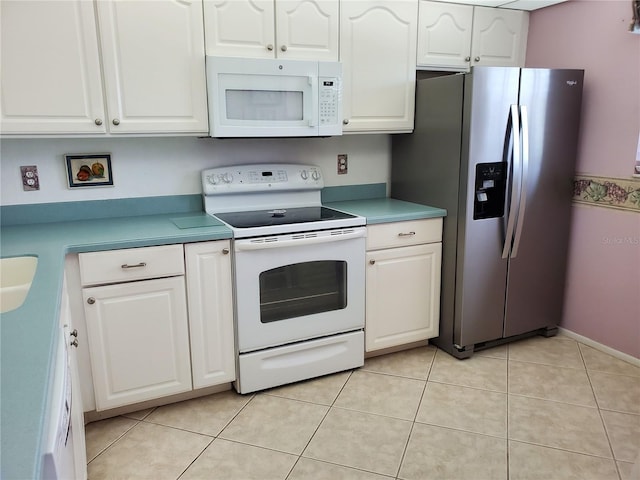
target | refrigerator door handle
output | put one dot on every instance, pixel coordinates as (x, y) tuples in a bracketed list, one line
[(524, 172), (515, 177)]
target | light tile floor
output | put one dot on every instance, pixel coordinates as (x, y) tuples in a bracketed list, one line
[(541, 408)]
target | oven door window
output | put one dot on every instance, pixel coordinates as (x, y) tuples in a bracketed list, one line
[(302, 289)]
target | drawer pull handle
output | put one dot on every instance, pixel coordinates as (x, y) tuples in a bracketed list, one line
[(137, 265), (410, 234), (74, 333), (74, 343)]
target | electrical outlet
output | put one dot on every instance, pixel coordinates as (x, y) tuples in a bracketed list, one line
[(30, 180), (343, 167)]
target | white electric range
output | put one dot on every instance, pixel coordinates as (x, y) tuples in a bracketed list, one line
[(299, 272)]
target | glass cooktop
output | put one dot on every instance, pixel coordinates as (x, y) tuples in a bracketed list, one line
[(281, 216)]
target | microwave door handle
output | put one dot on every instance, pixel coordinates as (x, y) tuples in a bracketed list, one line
[(313, 81)]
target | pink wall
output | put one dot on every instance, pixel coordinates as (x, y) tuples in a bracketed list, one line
[(603, 291)]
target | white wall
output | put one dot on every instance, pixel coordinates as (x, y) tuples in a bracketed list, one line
[(146, 167)]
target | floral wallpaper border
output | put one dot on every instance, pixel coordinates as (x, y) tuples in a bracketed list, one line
[(620, 193)]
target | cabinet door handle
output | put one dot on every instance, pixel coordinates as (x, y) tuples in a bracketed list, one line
[(98, 121), (74, 333), (372, 262), (116, 121), (283, 48), (137, 265), (477, 59), (345, 121), (74, 343), (410, 234), (91, 300), (225, 251), (270, 47), (467, 59)]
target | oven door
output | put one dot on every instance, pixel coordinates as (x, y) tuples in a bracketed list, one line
[(299, 286)]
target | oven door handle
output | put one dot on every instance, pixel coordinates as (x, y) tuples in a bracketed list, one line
[(302, 239)]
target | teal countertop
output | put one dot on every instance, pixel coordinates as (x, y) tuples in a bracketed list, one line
[(385, 210), (29, 333)]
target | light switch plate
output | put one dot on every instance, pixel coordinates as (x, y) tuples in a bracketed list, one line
[(30, 180)]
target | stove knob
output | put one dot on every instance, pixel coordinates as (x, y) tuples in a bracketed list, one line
[(227, 178), (304, 174), (211, 179), (315, 175)]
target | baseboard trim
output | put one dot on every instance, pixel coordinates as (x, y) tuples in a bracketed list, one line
[(598, 346)]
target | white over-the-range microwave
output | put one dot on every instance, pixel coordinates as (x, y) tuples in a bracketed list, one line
[(273, 98)]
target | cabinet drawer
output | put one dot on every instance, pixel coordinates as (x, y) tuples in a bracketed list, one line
[(131, 264), (400, 234)]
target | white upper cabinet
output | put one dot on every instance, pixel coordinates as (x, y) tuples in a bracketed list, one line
[(288, 29), (444, 35), (499, 37), (50, 69), (378, 55), (307, 29), (456, 37), (239, 28), (152, 60)]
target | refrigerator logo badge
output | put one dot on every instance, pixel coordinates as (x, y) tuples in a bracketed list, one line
[(571, 83)]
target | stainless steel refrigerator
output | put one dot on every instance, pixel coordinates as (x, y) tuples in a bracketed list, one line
[(496, 148)]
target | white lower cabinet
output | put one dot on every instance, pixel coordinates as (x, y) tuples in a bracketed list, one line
[(402, 283), (139, 340), (158, 321), (209, 293)]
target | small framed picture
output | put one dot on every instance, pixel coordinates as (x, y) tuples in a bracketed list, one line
[(89, 170)]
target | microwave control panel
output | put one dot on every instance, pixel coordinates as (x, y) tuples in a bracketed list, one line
[(329, 95)]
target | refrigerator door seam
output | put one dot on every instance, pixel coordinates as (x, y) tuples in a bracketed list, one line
[(515, 193), (523, 182)]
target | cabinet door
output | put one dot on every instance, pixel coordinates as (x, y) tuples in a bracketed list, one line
[(307, 29), (50, 71), (378, 54), (499, 37), (139, 340), (154, 73), (240, 28), (403, 295), (444, 35), (209, 289)]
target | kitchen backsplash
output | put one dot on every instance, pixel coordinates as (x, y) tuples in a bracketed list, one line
[(149, 167)]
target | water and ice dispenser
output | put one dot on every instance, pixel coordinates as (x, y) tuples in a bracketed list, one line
[(490, 190)]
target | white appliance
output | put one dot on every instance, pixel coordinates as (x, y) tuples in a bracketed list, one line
[(273, 98), (299, 272), (58, 449)]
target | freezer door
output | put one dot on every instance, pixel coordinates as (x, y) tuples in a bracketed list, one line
[(536, 276), (481, 272)]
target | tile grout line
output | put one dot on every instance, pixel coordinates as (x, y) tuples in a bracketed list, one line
[(116, 440), (213, 437), (319, 424), (413, 423), (604, 425), (195, 459)]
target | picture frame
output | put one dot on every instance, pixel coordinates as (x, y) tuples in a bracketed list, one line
[(89, 170)]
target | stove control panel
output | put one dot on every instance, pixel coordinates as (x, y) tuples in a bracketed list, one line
[(261, 178)]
